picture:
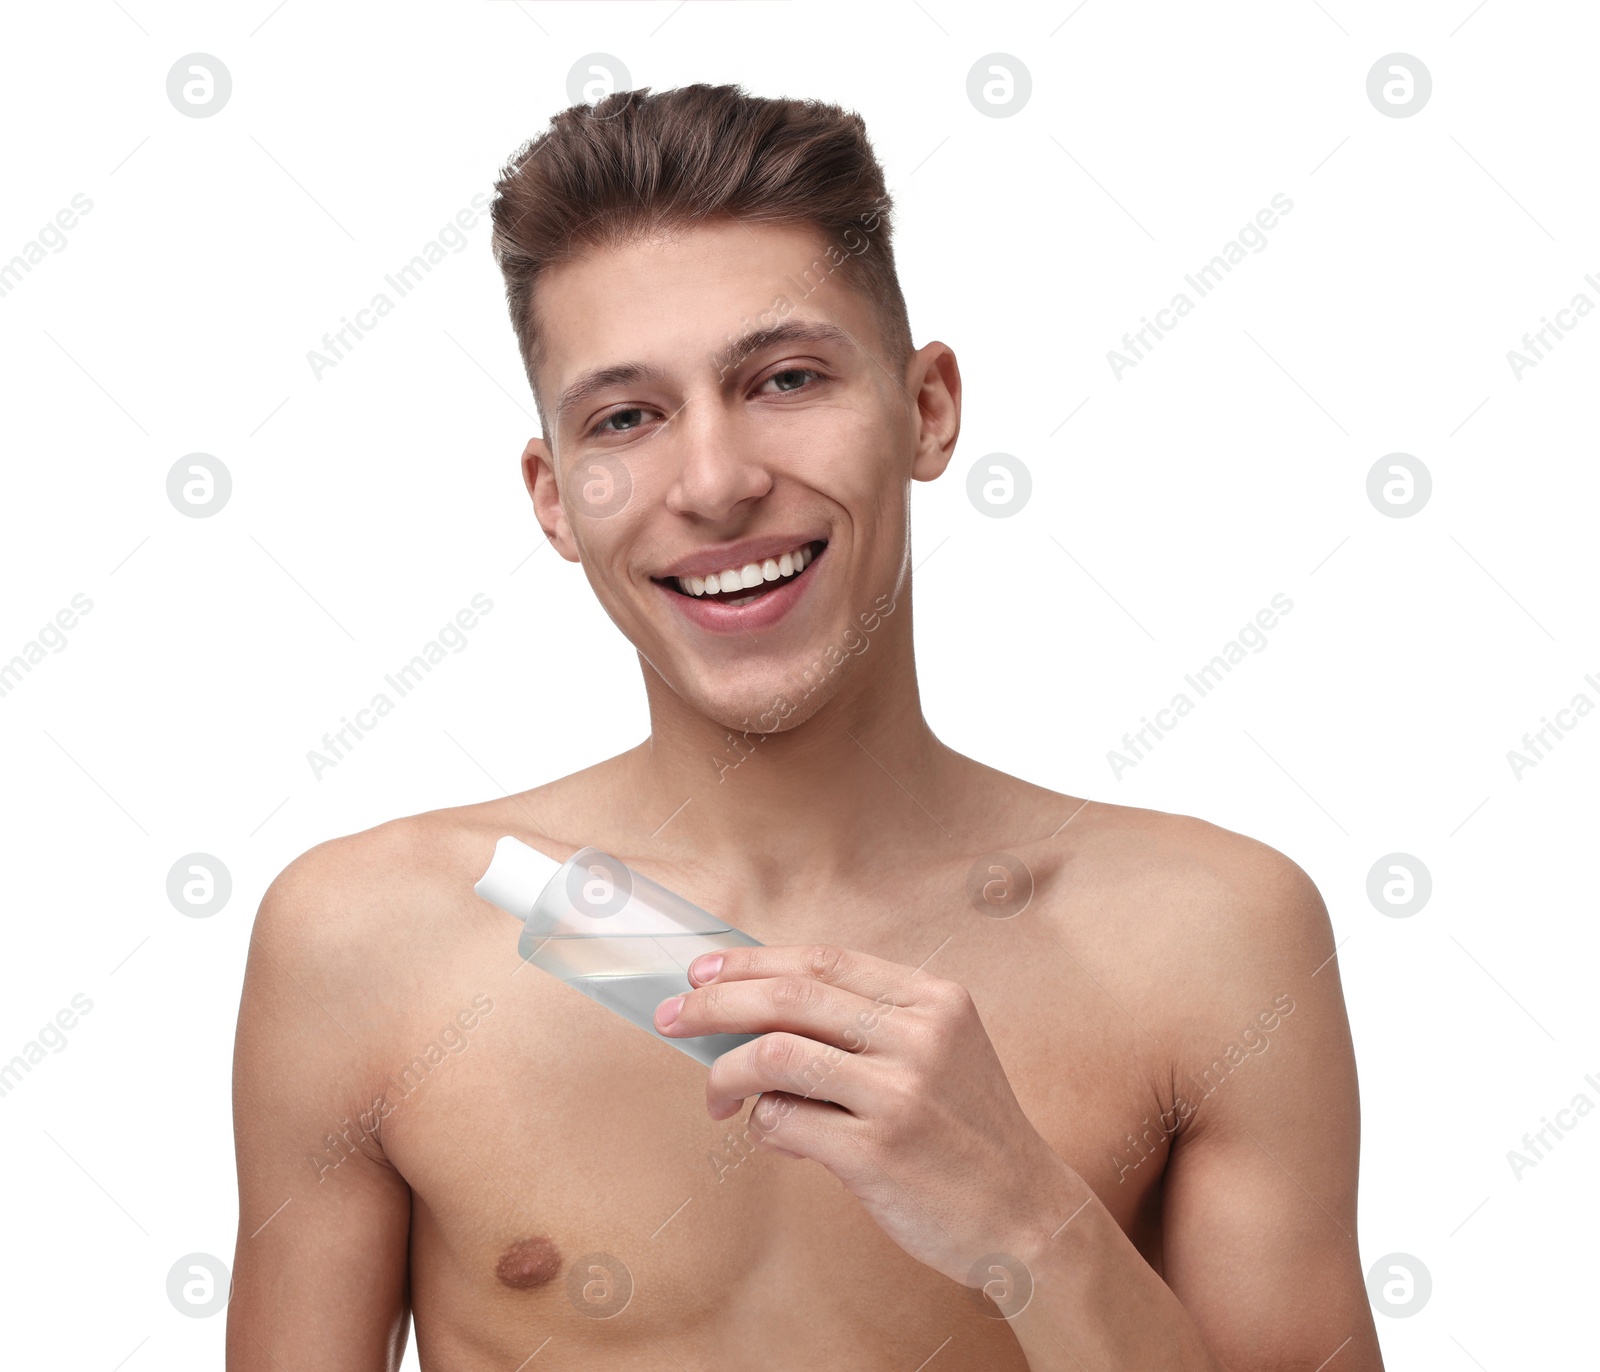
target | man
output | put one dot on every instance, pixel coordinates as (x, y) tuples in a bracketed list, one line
[(1043, 1082)]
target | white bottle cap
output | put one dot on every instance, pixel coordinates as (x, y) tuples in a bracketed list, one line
[(516, 877)]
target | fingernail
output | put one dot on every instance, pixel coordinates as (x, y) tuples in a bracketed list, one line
[(707, 967), (667, 1011)]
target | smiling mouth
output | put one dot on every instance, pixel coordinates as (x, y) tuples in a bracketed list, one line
[(739, 593)]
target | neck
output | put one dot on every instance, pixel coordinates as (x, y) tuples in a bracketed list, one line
[(861, 781)]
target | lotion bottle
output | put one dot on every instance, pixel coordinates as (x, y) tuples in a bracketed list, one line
[(610, 932)]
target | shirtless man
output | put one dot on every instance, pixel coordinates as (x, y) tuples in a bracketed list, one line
[(1054, 1083)]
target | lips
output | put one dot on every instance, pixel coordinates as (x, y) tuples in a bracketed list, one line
[(730, 584), (744, 610)]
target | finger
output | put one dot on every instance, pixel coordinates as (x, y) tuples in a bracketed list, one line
[(789, 1064), (788, 1124), (791, 1002), (874, 978)]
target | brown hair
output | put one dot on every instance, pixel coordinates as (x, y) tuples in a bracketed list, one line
[(635, 164)]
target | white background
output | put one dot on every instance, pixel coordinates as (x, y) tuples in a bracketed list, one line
[(1169, 505)]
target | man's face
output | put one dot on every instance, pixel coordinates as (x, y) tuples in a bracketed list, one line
[(677, 446)]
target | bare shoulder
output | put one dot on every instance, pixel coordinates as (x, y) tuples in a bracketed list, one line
[(1183, 872), (1194, 921), (1197, 878), (354, 918), (349, 887)]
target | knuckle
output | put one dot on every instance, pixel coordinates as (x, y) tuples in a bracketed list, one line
[(767, 1116), (775, 1054), (825, 961), (793, 993), (911, 1096)]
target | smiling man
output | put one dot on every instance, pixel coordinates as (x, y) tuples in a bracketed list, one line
[(1041, 1082)]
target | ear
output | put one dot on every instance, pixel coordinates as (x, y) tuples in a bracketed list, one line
[(539, 476), (933, 378)]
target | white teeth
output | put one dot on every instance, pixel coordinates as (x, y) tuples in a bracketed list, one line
[(751, 574)]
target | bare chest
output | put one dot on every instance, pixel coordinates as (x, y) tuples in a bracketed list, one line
[(571, 1194)]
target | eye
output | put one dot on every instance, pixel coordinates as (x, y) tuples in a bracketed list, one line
[(791, 378), (604, 426)]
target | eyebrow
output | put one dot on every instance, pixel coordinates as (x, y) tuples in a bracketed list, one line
[(791, 331), (755, 340), (601, 378)]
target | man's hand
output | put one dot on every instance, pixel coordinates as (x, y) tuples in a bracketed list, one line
[(886, 1076)]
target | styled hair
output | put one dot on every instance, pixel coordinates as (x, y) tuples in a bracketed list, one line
[(636, 164)]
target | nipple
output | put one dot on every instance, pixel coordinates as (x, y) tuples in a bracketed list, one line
[(529, 1263)]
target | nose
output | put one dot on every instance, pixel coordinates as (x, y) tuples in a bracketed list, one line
[(719, 468)]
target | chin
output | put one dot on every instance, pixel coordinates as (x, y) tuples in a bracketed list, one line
[(782, 703)]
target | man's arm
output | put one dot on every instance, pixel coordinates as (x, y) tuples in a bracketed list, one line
[(1260, 1198), (319, 1271), (1260, 1266)]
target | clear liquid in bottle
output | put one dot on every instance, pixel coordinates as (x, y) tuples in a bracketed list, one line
[(626, 942)]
